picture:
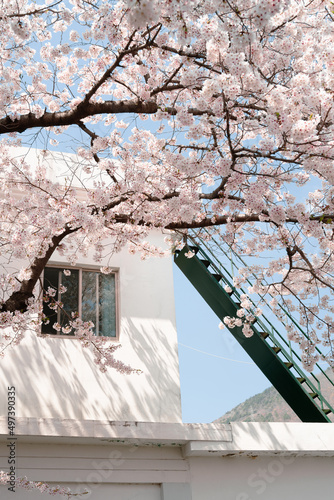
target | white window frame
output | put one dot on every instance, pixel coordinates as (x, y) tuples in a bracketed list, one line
[(61, 266)]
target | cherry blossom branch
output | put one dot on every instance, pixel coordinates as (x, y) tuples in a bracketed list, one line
[(41, 486), (218, 220), (93, 137), (18, 301), (112, 68), (33, 12), (85, 110)]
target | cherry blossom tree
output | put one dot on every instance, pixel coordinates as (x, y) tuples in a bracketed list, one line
[(194, 114)]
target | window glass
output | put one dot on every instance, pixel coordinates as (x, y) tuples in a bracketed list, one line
[(50, 280), (90, 294), (107, 305), (70, 298)]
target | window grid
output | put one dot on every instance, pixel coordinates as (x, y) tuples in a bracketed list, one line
[(97, 298)]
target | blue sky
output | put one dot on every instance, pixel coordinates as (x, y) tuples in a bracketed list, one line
[(222, 375)]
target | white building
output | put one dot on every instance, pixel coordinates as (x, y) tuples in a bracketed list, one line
[(121, 436)]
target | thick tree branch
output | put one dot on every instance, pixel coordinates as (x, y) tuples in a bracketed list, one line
[(18, 301), (85, 110), (206, 222), (222, 220)]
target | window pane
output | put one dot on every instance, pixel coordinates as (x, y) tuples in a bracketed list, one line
[(97, 302), (50, 280), (107, 305), (70, 297), (89, 297)]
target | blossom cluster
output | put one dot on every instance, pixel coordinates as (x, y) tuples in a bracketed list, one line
[(42, 487)]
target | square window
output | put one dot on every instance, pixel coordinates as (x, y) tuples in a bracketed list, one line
[(89, 293)]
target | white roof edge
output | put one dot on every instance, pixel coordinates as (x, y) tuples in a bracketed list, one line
[(235, 439), (104, 430), (270, 438)]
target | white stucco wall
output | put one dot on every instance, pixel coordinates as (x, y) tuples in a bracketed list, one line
[(274, 478)]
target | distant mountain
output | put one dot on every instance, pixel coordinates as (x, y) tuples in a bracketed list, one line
[(269, 406)]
